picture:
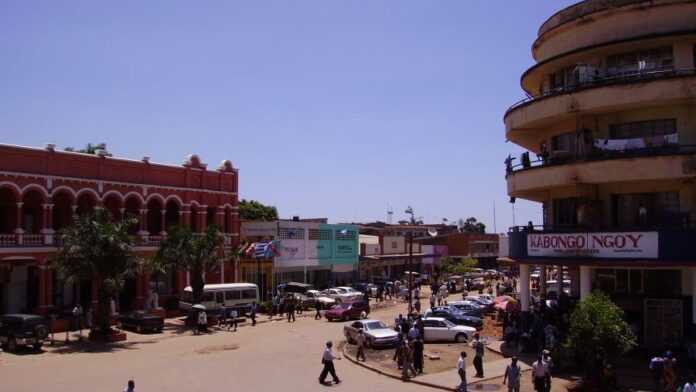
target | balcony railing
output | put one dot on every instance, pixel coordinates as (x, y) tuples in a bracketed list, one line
[(608, 80), (598, 154), (55, 240)]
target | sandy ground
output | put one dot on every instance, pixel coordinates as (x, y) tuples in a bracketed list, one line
[(271, 356)]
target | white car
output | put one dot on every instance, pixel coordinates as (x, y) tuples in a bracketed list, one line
[(353, 293), (440, 330), (338, 295)]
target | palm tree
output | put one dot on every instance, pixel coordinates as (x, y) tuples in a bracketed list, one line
[(182, 249), (98, 249)]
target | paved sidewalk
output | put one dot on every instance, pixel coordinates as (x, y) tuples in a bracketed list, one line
[(450, 379)]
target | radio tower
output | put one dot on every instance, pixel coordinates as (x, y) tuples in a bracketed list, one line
[(390, 214)]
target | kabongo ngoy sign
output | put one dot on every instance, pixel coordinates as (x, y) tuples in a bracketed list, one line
[(620, 245)]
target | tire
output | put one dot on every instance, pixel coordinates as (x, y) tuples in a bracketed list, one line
[(460, 338), (12, 345), (41, 332)]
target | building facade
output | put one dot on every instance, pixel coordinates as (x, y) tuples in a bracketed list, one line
[(610, 124), (480, 246), (306, 251), (42, 190)]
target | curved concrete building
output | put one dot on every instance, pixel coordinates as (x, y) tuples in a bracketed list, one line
[(609, 121)]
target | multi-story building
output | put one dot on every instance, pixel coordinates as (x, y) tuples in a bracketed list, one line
[(307, 251), (611, 118), (41, 190), (480, 246), (386, 249)]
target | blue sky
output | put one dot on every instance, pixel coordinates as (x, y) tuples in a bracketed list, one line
[(328, 108)]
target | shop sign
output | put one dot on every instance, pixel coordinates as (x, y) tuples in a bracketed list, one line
[(620, 245)]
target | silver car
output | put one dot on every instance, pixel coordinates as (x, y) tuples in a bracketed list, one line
[(377, 334)]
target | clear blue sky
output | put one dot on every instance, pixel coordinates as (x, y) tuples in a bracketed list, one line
[(329, 108)]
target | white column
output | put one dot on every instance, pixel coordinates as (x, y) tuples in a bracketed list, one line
[(524, 287), (585, 281), (559, 281), (693, 295)]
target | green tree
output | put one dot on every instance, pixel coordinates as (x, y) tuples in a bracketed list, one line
[(98, 249), (254, 211), (454, 265), (90, 149), (471, 225), (598, 330), (182, 249)]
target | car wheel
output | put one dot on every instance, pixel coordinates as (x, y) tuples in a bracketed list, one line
[(12, 345), (363, 315), (460, 338)]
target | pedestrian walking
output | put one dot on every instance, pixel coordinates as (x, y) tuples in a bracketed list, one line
[(291, 309), (407, 370), (233, 320), (479, 349), (130, 387), (657, 370), (222, 316), (317, 316), (461, 370), (360, 341), (252, 314), (274, 306), (327, 359), (512, 375), (77, 316), (397, 352), (433, 298), (417, 306), (539, 373), (548, 361), (418, 355), (202, 322)]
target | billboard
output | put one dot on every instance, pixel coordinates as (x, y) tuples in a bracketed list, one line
[(621, 245)]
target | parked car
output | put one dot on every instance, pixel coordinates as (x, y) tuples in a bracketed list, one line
[(141, 321), (368, 288), (348, 310), (22, 330), (487, 305), (438, 329), (314, 296), (353, 293), (468, 307), (454, 316), (338, 295), (377, 334)]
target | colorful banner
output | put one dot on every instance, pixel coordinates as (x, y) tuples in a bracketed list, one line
[(642, 245)]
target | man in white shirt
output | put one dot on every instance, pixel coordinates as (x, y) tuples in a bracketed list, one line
[(512, 376), (327, 359), (461, 369), (539, 372)]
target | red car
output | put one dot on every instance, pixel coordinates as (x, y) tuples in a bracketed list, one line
[(348, 310)]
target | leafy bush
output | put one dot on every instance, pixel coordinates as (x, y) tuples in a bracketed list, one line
[(598, 331)]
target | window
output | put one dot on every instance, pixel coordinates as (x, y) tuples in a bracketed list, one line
[(565, 142), (636, 281), (249, 294), (621, 281), (565, 211), (220, 297), (318, 235), (208, 297), (347, 235), (655, 59), (233, 295), (288, 233), (640, 129), (661, 208), (394, 245), (429, 323), (662, 283)]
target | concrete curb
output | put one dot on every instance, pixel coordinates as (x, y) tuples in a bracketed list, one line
[(411, 380)]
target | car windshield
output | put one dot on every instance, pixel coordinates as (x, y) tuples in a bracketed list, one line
[(342, 306), (375, 325), (341, 291)]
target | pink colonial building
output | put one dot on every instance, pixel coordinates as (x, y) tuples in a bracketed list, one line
[(41, 190)]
